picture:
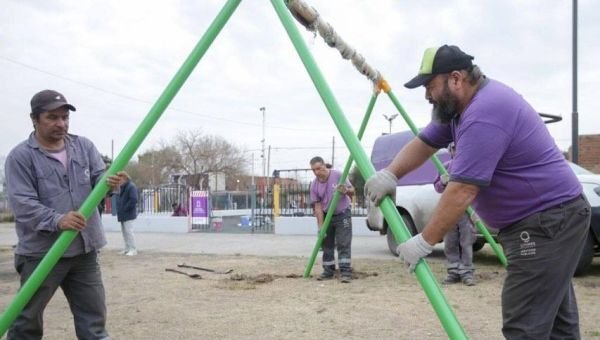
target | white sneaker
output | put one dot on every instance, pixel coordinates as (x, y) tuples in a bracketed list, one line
[(132, 252), (124, 251)]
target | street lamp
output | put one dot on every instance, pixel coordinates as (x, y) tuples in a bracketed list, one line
[(389, 119), (262, 109)]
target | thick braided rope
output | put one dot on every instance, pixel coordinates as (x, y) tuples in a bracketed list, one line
[(312, 21)]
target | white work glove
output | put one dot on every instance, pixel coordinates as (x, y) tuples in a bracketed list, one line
[(444, 178), (383, 183), (413, 250)]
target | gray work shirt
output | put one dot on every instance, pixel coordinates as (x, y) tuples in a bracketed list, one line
[(41, 191)]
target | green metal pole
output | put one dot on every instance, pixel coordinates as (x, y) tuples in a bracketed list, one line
[(422, 271), (336, 194), (442, 170), (89, 205)]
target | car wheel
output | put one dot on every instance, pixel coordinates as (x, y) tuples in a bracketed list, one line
[(587, 255), (479, 243), (391, 240)]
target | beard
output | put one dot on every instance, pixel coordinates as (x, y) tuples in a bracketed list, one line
[(446, 108)]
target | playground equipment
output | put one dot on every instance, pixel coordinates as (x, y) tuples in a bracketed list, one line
[(310, 19)]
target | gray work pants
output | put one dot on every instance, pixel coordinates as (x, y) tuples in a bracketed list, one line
[(80, 280), (128, 238), (458, 247), (538, 301), (339, 235)]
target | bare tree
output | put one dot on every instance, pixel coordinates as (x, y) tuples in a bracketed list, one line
[(204, 154), (187, 144), (190, 153), (155, 167)]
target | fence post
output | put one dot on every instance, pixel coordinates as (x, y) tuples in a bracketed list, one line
[(276, 199)]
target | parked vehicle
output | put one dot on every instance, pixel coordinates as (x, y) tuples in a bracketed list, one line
[(591, 188), (416, 198)]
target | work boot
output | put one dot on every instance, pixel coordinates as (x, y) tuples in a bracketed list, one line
[(451, 279), (346, 278), (325, 276), (468, 281)]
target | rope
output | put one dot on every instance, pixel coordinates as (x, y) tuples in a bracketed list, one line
[(312, 21)]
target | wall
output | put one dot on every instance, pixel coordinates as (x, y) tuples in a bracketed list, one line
[(155, 223), (308, 226), (165, 223), (589, 152)]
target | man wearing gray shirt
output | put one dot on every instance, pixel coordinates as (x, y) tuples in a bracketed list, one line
[(48, 177)]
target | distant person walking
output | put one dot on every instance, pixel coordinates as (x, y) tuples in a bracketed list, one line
[(127, 200), (339, 233)]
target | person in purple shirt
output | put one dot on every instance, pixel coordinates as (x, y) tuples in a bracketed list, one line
[(508, 166), (339, 232)]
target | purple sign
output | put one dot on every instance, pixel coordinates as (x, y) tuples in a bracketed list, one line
[(199, 207)]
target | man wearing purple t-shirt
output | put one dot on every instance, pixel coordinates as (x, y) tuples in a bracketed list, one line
[(508, 166), (339, 232)]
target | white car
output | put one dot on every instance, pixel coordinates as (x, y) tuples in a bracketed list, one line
[(591, 188), (416, 197)]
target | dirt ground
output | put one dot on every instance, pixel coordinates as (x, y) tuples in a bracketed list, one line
[(266, 298)]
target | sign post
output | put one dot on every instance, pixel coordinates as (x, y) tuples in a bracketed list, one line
[(200, 211)]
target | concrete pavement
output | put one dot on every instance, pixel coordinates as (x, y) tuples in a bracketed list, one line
[(374, 246), (246, 244)]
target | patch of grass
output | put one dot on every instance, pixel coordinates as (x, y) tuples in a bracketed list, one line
[(595, 334), (6, 217)]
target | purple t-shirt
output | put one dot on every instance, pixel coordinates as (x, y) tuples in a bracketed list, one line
[(323, 192), (503, 146)]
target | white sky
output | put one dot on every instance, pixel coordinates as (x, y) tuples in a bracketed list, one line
[(112, 59)]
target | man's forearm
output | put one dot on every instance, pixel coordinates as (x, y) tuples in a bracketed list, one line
[(453, 203), (38, 216), (319, 214)]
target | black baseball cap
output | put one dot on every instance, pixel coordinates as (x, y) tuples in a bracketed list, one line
[(440, 60), (49, 100)]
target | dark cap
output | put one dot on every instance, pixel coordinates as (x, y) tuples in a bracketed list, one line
[(49, 100), (440, 60)]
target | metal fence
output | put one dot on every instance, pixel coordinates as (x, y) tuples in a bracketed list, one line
[(4, 208), (155, 200), (295, 201), (231, 200)]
